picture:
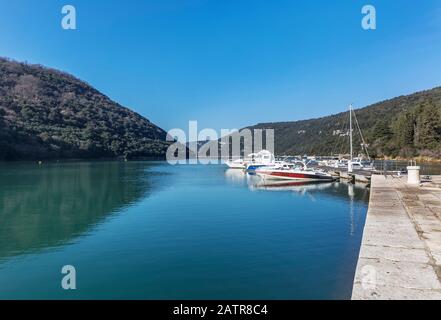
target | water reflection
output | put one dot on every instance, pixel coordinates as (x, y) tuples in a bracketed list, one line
[(205, 234), (342, 189), (353, 193), (301, 187), (52, 204)]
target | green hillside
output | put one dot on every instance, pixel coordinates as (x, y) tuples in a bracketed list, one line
[(405, 126), (48, 114)]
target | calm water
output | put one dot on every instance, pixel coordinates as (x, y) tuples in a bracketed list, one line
[(152, 231)]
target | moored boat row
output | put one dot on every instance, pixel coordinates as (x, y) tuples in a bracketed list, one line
[(253, 161), (265, 165)]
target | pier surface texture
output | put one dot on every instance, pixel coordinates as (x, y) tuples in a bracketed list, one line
[(400, 256)]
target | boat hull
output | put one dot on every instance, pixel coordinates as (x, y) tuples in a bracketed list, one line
[(235, 164), (290, 175), (254, 167)]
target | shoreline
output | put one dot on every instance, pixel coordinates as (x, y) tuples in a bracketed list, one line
[(83, 160), (419, 159)]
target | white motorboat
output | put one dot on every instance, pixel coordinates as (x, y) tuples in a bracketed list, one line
[(292, 171), (236, 164), (262, 159), (360, 164), (253, 161)]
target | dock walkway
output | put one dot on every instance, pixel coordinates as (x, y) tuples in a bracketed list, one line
[(400, 255), (357, 175)]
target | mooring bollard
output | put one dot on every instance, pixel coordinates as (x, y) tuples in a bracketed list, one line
[(413, 175)]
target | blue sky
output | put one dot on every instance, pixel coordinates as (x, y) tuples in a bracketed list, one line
[(232, 63)]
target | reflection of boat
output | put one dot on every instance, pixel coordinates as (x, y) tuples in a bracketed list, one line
[(332, 188), (241, 177), (293, 185), (235, 176), (280, 183), (293, 172)]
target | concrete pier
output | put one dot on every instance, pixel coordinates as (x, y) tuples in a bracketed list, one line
[(400, 255), (356, 176)]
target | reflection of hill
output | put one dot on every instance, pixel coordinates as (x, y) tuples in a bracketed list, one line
[(49, 205)]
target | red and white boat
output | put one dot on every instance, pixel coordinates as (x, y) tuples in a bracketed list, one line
[(293, 172)]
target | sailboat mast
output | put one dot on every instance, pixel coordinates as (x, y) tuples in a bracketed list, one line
[(350, 164), (350, 131)]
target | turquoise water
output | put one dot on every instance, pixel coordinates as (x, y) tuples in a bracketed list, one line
[(143, 230)]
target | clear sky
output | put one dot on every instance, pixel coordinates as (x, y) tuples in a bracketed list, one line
[(232, 63)]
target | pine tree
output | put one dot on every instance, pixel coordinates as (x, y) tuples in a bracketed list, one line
[(428, 126), (404, 130), (382, 130)]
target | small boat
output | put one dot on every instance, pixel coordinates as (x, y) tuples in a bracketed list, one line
[(349, 162), (253, 161), (241, 163), (360, 164), (291, 171), (236, 164), (262, 159), (342, 163), (328, 162)]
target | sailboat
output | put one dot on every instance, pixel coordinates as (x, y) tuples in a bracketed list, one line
[(357, 163)]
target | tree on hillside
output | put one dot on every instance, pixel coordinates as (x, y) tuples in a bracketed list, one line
[(380, 137), (428, 126), (47, 114), (404, 131), (382, 130)]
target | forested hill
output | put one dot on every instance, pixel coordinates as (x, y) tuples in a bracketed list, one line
[(405, 126), (48, 114)]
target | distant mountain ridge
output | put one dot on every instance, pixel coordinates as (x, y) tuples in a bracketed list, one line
[(49, 114), (405, 126)]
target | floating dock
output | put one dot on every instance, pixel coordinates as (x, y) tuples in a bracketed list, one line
[(400, 255)]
